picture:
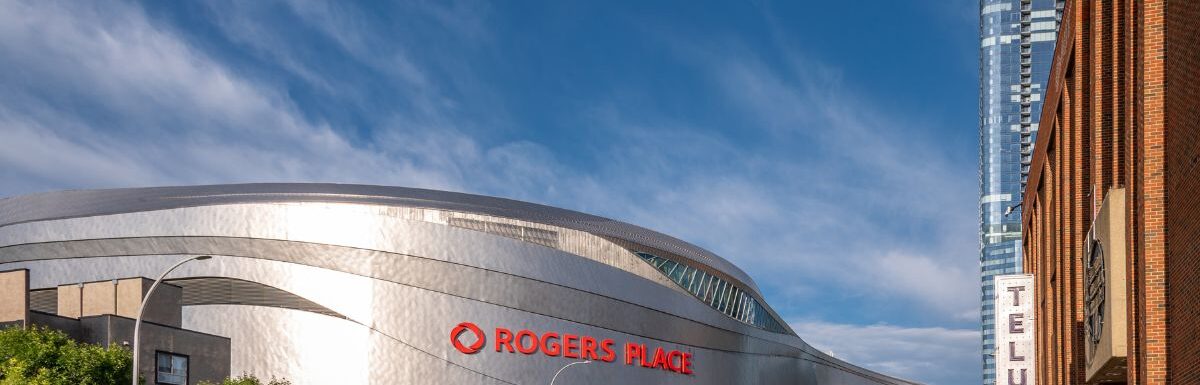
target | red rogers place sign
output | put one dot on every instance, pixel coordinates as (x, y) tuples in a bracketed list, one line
[(569, 345)]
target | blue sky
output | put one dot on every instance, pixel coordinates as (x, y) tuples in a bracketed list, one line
[(827, 148)]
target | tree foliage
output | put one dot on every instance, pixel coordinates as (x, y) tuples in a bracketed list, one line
[(41, 356), (248, 380)]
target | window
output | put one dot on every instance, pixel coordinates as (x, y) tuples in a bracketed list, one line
[(172, 369), (723, 296), (694, 285), (718, 296)]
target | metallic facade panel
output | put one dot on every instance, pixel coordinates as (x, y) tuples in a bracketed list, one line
[(323, 284), (79, 203), (231, 291)]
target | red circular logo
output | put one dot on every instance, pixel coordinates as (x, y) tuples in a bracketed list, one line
[(459, 330)]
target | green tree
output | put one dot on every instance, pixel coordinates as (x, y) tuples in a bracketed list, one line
[(41, 356), (248, 380)]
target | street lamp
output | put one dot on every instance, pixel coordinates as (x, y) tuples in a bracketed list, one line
[(137, 322), (1010, 209), (560, 370)]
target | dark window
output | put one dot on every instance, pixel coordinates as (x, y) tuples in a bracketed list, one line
[(172, 369)]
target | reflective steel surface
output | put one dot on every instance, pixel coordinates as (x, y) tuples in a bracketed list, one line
[(340, 284)]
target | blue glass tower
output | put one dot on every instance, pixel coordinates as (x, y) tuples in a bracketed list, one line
[(1016, 49)]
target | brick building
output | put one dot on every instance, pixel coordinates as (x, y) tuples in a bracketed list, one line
[(1112, 207)]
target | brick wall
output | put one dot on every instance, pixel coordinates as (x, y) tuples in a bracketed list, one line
[(1150, 312), (1182, 65), (1133, 123), (1122, 110)]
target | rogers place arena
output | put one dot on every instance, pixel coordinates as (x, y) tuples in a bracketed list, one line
[(353, 284)]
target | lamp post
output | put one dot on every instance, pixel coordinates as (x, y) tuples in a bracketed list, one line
[(560, 370), (137, 322)]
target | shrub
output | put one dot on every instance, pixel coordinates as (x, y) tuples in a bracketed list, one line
[(248, 380), (42, 356)]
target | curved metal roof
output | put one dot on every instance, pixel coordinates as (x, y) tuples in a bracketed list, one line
[(83, 203)]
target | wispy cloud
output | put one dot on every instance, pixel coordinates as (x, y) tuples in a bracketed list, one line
[(832, 197), (932, 355), (874, 210), (158, 110)]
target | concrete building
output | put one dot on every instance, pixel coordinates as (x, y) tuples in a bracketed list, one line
[(1112, 208), (350, 284), (103, 313), (1015, 50)]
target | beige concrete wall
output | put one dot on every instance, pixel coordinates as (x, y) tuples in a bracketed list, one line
[(122, 297), (70, 301), (99, 298), (14, 296), (165, 307)]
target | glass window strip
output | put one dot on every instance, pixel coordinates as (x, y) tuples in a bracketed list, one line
[(760, 315), (729, 305), (692, 281), (674, 273), (719, 294), (721, 298), (741, 309), (733, 302), (749, 312), (729, 300), (742, 305), (708, 289), (678, 272), (713, 284), (716, 300), (667, 266), (725, 298)]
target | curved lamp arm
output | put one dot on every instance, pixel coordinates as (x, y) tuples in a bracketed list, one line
[(560, 370), (137, 322)]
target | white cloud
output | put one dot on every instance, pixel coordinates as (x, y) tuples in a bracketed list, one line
[(106, 96), (158, 109), (931, 355), (169, 113), (949, 288), (877, 212)]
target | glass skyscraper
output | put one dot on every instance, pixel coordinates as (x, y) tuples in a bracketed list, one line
[(1016, 49)]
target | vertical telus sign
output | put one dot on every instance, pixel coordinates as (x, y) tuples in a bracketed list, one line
[(1014, 330)]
